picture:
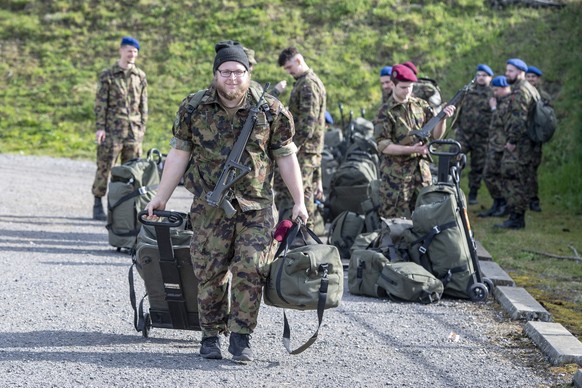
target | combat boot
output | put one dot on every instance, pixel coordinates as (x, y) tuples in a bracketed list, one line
[(240, 347), (534, 206), (502, 210), (473, 197), (210, 348), (98, 213), (492, 210), (515, 221)]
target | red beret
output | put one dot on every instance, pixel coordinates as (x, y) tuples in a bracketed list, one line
[(411, 66), (403, 73)]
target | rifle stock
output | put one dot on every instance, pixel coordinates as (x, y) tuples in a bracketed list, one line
[(233, 170)]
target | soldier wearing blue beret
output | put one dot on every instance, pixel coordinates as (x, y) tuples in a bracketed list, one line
[(121, 112)]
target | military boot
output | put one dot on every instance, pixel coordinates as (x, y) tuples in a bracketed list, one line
[(534, 205), (240, 348), (515, 221), (98, 213), (493, 209), (473, 197), (502, 210)]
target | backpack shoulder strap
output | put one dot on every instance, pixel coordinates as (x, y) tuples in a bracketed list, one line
[(194, 101)]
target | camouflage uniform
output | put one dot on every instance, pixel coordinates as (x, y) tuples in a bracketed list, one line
[(532, 184), (244, 243), (307, 103), (401, 175), (121, 110), (497, 140), (472, 127), (515, 165)]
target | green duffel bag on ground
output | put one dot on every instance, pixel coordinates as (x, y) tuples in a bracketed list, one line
[(344, 230), (364, 271), (410, 282)]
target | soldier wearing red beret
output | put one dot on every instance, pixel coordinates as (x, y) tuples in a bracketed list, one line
[(403, 166)]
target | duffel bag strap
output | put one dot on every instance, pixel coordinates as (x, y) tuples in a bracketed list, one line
[(320, 308)]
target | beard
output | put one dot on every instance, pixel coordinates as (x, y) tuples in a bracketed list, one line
[(233, 94), (511, 81)]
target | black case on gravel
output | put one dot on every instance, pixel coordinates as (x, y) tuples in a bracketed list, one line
[(162, 259)]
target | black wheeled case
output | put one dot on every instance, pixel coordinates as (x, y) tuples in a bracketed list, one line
[(162, 259)]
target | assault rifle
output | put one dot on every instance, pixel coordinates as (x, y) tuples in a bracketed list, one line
[(233, 171), (424, 133)]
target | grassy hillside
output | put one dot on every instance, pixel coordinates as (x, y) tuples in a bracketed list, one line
[(53, 50)]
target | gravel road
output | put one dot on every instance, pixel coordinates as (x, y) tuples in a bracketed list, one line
[(66, 319)]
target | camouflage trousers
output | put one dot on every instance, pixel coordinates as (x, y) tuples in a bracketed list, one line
[(492, 174), (532, 176), (107, 154), (398, 194), (237, 250), (515, 172), (284, 201), (475, 146)]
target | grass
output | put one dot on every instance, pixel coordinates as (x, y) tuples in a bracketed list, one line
[(555, 283)]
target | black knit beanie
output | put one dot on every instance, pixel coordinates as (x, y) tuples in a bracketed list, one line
[(230, 50)]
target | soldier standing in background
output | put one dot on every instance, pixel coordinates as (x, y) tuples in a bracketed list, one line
[(517, 153), (121, 111), (492, 177), (472, 126), (403, 167), (385, 83), (533, 76), (307, 104), (242, 244)]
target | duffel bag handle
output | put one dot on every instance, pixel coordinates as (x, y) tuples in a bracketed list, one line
[(291, 235), (173, 219)]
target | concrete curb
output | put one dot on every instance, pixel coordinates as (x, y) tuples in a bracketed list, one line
[(555, 342)]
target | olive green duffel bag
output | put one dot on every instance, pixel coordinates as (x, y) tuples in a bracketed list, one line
[(307, 277)]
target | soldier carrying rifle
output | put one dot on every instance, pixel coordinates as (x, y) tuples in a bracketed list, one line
[(233, 219), (403, 166)]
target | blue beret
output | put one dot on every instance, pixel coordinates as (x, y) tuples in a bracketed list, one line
[(386, 70), (500, 81), (328, 118), (128, 40), (518, 63), (485, 68), (534, 70)]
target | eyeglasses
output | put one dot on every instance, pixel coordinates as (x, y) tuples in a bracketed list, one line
[(228, 73)]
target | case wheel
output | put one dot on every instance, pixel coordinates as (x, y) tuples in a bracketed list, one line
[(478, 292)]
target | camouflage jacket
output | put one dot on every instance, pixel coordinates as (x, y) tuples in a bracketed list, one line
[(209, 134), (499, 120), (307, 105), (474, 115), (521, 105), (121, 100), (392, 125)]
